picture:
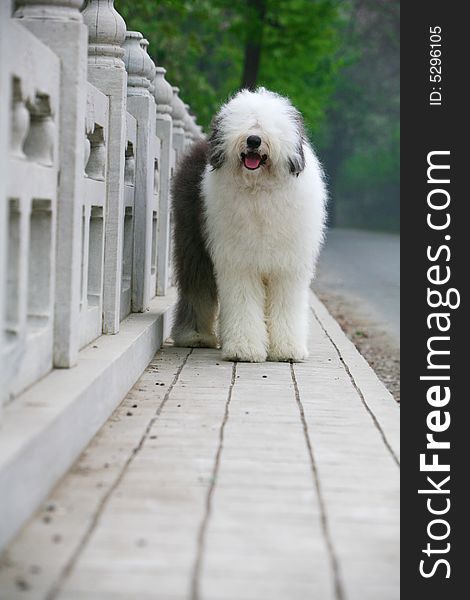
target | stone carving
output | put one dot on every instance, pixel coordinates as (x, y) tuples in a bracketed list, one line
[(188, 124), (20, 120), (137, 65), (163, 92), (96, 165), (106, 33), (56, 10), (149, 65), (178, 111), (39, 143)]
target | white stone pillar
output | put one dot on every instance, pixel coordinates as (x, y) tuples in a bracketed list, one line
[(59, 25), (106, 34), (179, 136), (5, 86), (163, 97), (141, 104), (195, 128), (188, 127)]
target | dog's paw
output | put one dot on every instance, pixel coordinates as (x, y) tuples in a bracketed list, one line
[(243, 354), (194, 339), (289, 353)]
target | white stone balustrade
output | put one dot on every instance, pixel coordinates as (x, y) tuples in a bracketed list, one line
[(129, 213), (5, 117), (179, 133), (90, 133), (106, 71), (60, 26), (141, 105), (164, 97), (93, 209), (31, 211), (188, 128)]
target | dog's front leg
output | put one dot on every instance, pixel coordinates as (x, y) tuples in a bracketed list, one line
[(287, 317), (242, 326)]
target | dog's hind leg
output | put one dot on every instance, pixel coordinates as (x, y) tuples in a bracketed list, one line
[(196, 311), (195, 316)]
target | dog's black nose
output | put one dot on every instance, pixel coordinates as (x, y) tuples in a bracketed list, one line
[(253, 141)]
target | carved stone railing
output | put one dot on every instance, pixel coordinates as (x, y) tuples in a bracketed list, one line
[(164, 97), (31, 196), (179, 133), (59, 26), (94, 202), (129, 212), (90, 133), (106, 71), (141, 105)]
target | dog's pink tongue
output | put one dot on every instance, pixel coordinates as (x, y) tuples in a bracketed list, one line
[(252, 161)]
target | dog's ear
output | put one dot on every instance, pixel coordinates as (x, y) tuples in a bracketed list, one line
[(297, 160), (215, 140)]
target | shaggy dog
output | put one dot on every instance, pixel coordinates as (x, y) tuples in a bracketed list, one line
[(249, 213)]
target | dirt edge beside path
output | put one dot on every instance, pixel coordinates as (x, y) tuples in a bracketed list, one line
[(376, 345)]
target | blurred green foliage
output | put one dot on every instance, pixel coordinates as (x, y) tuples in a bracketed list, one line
[(336, 59)]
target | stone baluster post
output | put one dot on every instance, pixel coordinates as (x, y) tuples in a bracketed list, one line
[(106, 34), (178, 124), (194, 128), (150, 66), (188, 126), (5, 86), (164, 97), (59, 25), (140, 104)]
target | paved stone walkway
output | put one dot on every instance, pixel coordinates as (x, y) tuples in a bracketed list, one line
[(221, 481)]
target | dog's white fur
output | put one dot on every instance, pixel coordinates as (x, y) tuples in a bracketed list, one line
[(264, 230)]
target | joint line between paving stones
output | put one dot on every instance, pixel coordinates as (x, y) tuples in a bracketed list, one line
[(102, 505), (339, 593), (201, 539), (359, 392)]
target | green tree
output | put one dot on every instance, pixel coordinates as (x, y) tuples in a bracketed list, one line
[(337, 60), (211, 49), (360, 136)]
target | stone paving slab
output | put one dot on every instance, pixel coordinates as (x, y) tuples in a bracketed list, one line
[(223, 481)]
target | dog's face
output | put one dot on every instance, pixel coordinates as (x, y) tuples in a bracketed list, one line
[(257, 135)]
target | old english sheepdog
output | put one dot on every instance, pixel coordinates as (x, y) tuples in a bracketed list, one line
[(249, 214)]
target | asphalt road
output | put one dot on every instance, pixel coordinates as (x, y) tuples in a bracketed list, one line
[(364, 268)]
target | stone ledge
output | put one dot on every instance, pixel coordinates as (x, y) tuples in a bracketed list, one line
[(46, 428), (376, 398)]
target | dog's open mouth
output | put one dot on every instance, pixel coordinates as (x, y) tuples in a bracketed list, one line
[(253, 160)]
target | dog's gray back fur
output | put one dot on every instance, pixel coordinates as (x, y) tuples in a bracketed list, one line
[(197, 292)]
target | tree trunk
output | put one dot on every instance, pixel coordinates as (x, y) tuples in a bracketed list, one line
[(255, 23)]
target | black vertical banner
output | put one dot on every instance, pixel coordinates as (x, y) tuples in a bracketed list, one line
[(435, 267)]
